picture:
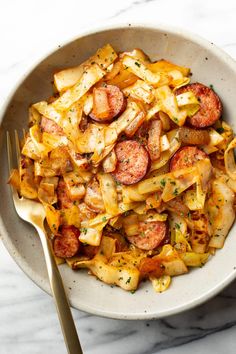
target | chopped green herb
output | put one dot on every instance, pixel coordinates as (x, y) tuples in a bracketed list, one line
[(126, 213), (163, 182), (177, 226), (220, 130), (175, 191), (138, 64), (128, 280), (104, 219), (84, 230)]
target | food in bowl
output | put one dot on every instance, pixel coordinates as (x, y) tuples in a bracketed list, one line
[(134, 166)]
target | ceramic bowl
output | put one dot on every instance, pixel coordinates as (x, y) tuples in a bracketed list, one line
[(209, 65)]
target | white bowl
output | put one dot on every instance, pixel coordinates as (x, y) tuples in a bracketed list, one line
[(209, 65)]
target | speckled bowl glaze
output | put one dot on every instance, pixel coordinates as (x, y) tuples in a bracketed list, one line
[(209, 65)]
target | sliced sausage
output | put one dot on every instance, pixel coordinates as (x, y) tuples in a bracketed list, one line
[(93, 197), (191, 136), (49, 126), (150, 236), (132, 162), (108, 102), (90, 251), (83, 125), (154, 136), (67, 244), (63, 197), (186, 157), (210, 105)]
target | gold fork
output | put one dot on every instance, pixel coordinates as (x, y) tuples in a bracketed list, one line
[(34, 213)]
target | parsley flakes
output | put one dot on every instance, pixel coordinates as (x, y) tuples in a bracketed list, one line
[(176, 191), (163, 182), (84, 230), (128, 280), (177, 226)]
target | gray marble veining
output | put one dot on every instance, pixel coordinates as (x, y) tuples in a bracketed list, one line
[(28, 322)]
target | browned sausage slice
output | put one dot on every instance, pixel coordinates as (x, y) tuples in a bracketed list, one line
[(210, 105), (89, 251), (49, 126), (186, 157), (67, 244), (132, 162), (189, 136), (150, 236), (64, 200), (108, 102)]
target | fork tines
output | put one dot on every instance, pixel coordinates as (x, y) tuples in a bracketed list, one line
[(13, 159)]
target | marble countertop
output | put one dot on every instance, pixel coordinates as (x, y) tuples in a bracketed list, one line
[(28, 322)]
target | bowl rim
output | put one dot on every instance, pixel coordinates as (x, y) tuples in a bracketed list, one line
[(83, 32)]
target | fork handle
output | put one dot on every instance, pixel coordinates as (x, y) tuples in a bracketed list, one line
[(60, 298)]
